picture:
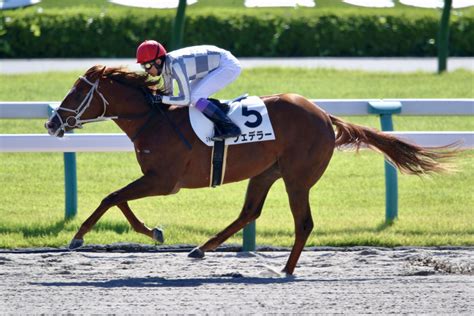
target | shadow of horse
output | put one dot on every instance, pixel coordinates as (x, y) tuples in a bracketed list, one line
[(35, 230), (233, 278)]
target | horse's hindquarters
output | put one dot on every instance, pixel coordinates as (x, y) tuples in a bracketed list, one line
[(306, 138), (303, 147)]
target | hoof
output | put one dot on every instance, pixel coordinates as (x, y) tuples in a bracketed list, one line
[(158, 235), (196, 253), (76, 243)]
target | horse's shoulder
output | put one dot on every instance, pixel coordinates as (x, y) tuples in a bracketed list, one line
[(179, 115)]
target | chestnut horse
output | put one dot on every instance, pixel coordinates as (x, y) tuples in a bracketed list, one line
[(304, 144)]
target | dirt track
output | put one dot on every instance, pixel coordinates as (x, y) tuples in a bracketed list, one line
[(351, 280)]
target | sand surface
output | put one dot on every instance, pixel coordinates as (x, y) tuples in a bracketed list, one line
[(327, 280)]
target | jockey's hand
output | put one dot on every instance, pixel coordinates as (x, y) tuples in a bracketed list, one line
[(156, 99), (153, 99)]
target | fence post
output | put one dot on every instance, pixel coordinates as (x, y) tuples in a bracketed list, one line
[(385, 110), (249, 237), (70, 181), (443, 37)]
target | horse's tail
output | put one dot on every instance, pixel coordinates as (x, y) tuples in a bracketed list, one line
[(408, 158)]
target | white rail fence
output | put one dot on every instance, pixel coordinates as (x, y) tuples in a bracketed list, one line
[(120, 142)]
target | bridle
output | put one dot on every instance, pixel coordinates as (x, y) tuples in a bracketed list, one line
[(74, 120)]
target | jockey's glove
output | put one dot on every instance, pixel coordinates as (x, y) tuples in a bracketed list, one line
[(157, 99), (153, 99)]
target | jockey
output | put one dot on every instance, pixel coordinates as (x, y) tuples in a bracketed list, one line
[(199, 71)]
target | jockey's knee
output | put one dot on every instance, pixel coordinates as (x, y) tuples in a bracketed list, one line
[(237, 70), (197, 99)]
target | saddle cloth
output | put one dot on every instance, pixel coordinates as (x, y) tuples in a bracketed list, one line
[(250, 114)]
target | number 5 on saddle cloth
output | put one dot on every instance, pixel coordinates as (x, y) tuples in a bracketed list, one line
[(249, 113)]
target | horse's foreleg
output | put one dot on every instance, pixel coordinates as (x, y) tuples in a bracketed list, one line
[(257, 191), (299, 204), (140, 188), (138, 225)]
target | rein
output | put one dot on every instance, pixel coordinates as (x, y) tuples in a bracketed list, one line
[(150, 115), (176, 128)]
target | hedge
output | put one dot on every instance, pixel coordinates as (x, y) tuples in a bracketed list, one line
[(83, 32)]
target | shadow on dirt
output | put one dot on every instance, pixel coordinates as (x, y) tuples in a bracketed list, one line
[(193, 282)]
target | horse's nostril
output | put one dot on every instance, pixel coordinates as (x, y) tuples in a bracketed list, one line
[(52, 127), (49, 125)]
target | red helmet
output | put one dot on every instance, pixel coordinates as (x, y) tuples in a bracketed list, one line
[(149, 50)]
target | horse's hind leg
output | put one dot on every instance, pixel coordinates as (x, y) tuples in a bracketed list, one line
[(257, 191), (299, 204), (298, 181)]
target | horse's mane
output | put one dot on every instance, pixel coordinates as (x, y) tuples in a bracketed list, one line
[(123, 75)]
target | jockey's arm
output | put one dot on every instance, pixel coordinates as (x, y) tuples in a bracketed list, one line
[(184, 96)]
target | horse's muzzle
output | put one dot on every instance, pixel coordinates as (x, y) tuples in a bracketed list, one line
[(53, 127)]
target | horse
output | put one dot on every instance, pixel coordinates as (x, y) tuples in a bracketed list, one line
[(300, 153)]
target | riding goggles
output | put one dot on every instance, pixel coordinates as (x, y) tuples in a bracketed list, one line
[(148, 65)]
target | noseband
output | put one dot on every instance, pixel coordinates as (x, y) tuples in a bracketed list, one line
[(74, 120)]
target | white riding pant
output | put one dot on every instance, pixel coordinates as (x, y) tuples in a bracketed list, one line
[(229, 69)]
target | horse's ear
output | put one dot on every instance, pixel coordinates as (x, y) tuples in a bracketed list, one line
[(101, 72), (96, 72)]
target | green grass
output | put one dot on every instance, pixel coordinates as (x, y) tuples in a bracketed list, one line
[(348, 203), (313, 83)]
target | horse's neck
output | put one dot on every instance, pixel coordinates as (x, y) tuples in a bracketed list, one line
[(137, 121), (168, 124), (130, 106), (171, 126), (130, 127)]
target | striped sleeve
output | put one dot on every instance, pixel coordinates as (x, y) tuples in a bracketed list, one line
[(178, 70)]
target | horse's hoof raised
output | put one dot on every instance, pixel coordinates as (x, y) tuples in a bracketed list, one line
[(158, 235), (76, 243), (196, 253)]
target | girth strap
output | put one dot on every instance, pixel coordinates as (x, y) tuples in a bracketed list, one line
[(218, 163)]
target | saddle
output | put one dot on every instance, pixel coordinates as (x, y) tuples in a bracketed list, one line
[(225, 105), (249, 113)]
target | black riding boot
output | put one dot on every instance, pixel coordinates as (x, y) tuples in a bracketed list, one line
[(224, 127)]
